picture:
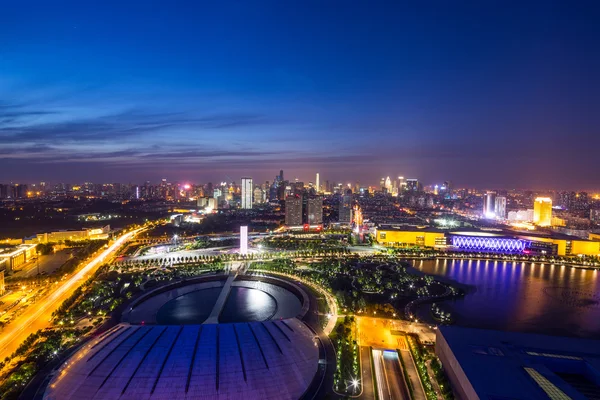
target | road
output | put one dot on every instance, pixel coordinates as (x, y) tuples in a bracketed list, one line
[(413, 375), (368, 392), (390, 384), (38, 316)]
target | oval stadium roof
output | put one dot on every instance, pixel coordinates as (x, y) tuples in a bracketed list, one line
[(256, 360)]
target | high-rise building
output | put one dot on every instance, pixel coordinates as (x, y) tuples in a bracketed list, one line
[(293, 210), (246, 193), (388, 185), (401, 184), (259, 195), (413, 185), (500, 207), (345, 209), (314, 210), (317, 187), (542, 211), (489, 205)]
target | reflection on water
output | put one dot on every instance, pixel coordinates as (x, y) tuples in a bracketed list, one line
[(190, 308), (527, 297), (245, 305)]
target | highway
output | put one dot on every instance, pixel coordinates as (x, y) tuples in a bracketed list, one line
[(38, 315), (390, 384)]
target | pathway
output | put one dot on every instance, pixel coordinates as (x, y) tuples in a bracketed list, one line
[(213, 318)]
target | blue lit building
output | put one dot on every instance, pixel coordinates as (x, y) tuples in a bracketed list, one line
[(485, 364)]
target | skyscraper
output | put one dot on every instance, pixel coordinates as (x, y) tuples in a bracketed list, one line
[(413, 185), (542, 211), (345, 209), (500, 207), (317, 187), (259, 195), (247, 193), (314, 210), (489, 205), (293, 210), (388, 185)]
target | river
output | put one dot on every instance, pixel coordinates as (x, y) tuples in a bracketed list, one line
[(523, 297)]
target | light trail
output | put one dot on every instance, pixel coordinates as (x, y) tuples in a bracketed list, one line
[(44, 305)]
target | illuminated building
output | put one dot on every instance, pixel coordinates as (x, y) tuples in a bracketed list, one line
[(317, 184), (413, 185), (358, 217), (503, 242), (401, 184), (259, 195), (489, 204), (542, 211), (3, 266), (293, 210), (314, 210), (14, 257), (500, 207), (388, 185), (71, 235), (213, 203), (243, 240)]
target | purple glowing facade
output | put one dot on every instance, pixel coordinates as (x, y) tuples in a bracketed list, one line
[(499, 245)]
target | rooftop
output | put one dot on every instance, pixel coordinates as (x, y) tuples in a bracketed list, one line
[(510, 365), (256, 360)]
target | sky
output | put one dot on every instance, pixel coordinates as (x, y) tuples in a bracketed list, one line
[(485, 94)]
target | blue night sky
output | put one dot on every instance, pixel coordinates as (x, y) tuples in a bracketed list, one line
[(489, 94)]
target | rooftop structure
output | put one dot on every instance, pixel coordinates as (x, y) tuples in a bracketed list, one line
[(484, 364), (256, 360)]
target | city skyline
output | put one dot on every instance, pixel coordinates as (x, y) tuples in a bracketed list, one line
[(482, 96)]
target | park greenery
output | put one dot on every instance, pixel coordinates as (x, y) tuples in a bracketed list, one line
[(420, 360), (347, 370), (376, 284)]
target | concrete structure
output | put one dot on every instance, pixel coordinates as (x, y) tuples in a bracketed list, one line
[(293, 211), (542, 211), (247, 193), (318, 184), (256, 360), (483, 364), (243, 240)]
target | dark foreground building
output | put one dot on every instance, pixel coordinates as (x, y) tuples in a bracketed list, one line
[(494, 365)]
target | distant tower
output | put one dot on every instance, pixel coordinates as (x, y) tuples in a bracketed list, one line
[(500, 207), (345, 209), (388, 184), (542, 211), (293, 210), (314, 210), (247, 193), (489, 205), (317, 187)]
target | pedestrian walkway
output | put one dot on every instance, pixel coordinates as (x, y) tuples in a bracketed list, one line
[(213, 318)]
